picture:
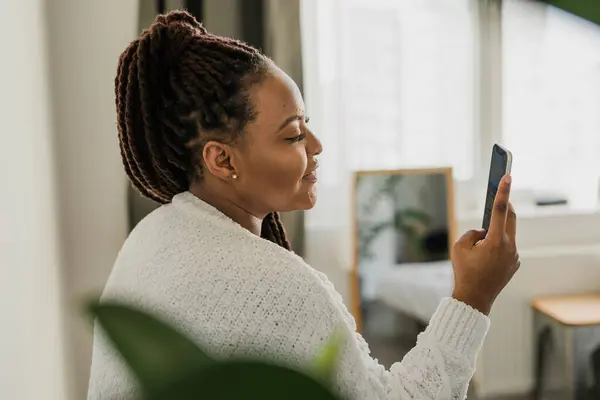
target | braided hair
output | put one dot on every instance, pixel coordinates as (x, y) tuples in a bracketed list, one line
[(178, 87)]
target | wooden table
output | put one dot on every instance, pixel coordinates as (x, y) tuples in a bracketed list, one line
[(567, 332)]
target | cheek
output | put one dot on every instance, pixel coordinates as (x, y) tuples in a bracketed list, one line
[(282, 168), (290, 165)]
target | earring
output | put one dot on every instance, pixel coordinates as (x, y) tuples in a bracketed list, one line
[(234, 176)]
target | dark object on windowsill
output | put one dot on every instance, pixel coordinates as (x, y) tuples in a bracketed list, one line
[(550, 201)]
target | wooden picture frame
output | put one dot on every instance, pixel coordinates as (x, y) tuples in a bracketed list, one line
[(354, 274)]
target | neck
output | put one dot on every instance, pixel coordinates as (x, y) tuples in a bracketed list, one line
[(227, 206)]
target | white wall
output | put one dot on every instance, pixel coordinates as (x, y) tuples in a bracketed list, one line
[(31, 347), (85, 41), (63, 211)]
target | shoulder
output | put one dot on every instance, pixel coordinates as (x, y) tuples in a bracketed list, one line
[(191, 258), (194, 259), (286, 273)]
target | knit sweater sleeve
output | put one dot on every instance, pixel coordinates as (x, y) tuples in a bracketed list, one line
[(440, 366)]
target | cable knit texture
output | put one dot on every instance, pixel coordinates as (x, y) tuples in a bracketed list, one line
[(239, 295)]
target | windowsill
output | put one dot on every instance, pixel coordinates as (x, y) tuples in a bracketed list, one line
[(469, 205), (536, 212), (542, 228), (555, 211), (567, 250)]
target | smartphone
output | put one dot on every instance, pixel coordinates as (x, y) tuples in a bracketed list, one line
[(499, 166)]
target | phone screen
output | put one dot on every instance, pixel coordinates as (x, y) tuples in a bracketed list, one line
[(499, 167)]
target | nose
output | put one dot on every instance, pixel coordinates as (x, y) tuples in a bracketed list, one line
[(316, 147)]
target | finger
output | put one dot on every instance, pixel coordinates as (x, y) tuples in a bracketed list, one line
[(511, 223), (470, 238), (500, 210)]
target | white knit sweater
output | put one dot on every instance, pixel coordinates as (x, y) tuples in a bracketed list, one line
[(242, 295)]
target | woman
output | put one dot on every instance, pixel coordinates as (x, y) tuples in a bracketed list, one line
[(212, 129)]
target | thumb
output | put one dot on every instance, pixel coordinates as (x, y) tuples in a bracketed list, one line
[(470, 238)]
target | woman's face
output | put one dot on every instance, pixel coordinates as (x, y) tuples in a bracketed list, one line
[(275, 161)]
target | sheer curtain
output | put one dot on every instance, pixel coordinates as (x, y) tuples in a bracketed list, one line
[(388, 84), (551, 101)]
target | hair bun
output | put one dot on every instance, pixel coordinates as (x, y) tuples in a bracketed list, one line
[(171, 34), (182, 19)]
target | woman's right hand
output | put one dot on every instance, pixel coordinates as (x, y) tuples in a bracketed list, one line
[(484, 264)]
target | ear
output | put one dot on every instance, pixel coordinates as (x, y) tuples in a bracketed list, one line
[(218, 160)]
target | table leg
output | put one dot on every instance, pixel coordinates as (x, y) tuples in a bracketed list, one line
[(544, 341), (596, 372), (585, 342)]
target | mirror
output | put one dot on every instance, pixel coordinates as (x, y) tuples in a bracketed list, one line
[(403, 233)]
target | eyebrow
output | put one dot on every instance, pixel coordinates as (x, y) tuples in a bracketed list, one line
[(288, 120)]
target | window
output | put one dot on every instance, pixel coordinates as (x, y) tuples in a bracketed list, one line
[(401, 83), (404, 102), (409, 67), (551, 100)]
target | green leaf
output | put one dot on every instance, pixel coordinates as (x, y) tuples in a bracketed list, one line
[(240, 380), (586, 9), (368, 232), (156, 353), (415, 214), (327, 359)]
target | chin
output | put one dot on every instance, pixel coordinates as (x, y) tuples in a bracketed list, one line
[(303, 202), (309, 198), (308, 205), (309, 201)]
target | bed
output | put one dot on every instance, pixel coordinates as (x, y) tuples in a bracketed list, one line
[(416, 289)]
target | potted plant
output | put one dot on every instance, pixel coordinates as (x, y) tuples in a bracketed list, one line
[(169, 365), (409, 223)]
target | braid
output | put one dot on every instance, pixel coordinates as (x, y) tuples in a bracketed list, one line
[(178, 87), (272, 229)]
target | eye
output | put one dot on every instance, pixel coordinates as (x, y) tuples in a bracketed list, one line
[(296, 138), (306, 120)]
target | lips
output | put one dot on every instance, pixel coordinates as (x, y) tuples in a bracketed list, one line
[(311, 176)]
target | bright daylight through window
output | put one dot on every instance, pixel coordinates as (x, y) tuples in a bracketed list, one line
[(401, 86), (551, 100)]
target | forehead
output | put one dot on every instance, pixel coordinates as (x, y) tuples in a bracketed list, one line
[(276, 98)]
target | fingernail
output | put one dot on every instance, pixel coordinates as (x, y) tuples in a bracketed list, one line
[(507, 179)]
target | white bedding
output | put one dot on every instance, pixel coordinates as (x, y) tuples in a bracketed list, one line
[(416, 289)]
